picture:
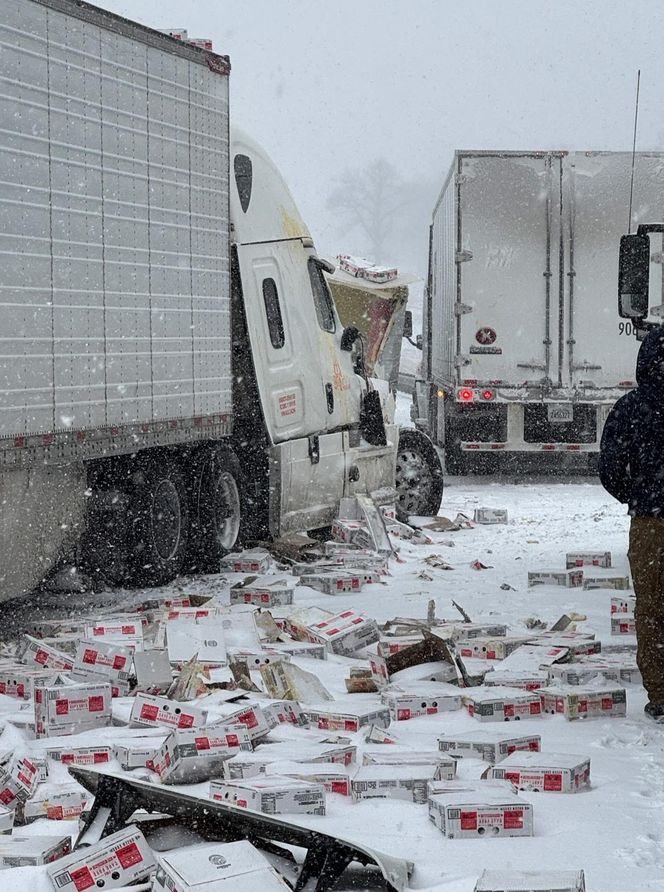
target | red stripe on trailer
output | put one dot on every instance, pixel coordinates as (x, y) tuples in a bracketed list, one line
[(497, 445), (548, 447), (80, 436), (19, 442), (48, 439), (573, 447)]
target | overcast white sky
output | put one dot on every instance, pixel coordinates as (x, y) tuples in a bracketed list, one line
[(329, 84)]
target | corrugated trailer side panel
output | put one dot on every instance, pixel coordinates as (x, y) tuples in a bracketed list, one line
[(443, 284), (114, 230)]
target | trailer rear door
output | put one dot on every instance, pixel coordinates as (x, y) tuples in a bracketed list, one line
[(601, 347), (507, 261)]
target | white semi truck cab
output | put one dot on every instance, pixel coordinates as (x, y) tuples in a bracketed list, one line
[(173, 372)]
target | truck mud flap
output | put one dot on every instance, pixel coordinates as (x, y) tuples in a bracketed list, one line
[(117, 797)]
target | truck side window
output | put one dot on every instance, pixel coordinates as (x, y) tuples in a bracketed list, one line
[(243, 179), (275, 323), (322, 297)]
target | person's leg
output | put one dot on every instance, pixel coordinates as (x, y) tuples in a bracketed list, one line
[(646, 557)]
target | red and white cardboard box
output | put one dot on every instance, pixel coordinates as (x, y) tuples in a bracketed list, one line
[(490, 515), (346, 530), (460, 631), (524, 680), (256, 561), (264, 591), (126, 631), (623, 624), (56, 802), (623, 663), (138, 753), (584, 702), (488, 746), (606, 579), (280, 712), (569, 578), (576, 647), (272, 795), (217, 867), (588, 559), (287, 649), (204, 638), (623, 604), (80, 755), (300, 621), (544, 772), (406, 782), (345, 633), (624, 672), (253, 764), (70, 709), (18, 781), (528, 881), (444, 767), (194, 755), (420, 698), (19, 681), (501, 704), (32, 851), (34, 652), (101, 661), (335, 778), (474, 814), (117, 860), (244, 712), (348, 713), (149, 711), (392, 644), (257, 658), (192, 614), (489, 648), (335, 582), (533, 657)]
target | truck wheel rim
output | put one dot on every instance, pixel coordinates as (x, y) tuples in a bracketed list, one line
[(414, 481), (227, 510), (166, 520)]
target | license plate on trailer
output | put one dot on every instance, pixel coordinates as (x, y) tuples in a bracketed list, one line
[(560, 413)]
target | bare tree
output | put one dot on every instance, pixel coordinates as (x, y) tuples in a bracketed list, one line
[(368, 201)]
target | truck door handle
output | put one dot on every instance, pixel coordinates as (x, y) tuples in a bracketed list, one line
[(329, 394)]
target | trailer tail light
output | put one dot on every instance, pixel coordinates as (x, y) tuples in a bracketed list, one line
[(488, 394), (440, 394), (465, 395)]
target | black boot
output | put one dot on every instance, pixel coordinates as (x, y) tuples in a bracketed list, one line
[(655, 711)]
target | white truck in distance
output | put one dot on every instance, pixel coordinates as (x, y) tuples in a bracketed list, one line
[(522, 352), (172, 366)]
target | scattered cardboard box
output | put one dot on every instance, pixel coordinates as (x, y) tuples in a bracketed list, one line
[(55, 802), (489, 648), (150, 711), (18, 781), (117, 860), (487, 746), (393, 781), (502, 704), (349, 713), (490, 515), (606, 579), (217, 867), (544, 772), (475, 814), (623, 624), (530, 881), (256, 561), (345, 633), (204, 639), (568, 578), (193, 755), (588, 559), (525, 680), (32, 851), (34, 652), (420, 698), (287, 681), (622, 604), (584, 702), (69, 709), (264, 591), (272, 795)]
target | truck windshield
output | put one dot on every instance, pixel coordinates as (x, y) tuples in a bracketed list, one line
[(322, 297)]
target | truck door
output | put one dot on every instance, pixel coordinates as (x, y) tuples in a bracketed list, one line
[(308, 390), (601, 347), (506, 259)]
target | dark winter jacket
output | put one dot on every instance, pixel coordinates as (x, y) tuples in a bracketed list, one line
[(631, 465)]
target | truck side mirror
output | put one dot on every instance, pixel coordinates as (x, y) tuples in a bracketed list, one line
[(408, 324), (633, 276)]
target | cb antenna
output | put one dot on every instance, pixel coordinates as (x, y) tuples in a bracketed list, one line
[(636, 120)]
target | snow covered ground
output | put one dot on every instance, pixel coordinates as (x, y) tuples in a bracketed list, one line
[(614, 831)]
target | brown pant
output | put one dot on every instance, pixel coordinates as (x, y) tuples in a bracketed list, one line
[(646, 558)]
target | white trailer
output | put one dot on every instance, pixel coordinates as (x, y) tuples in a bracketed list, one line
[(522, 349), (171, 360)]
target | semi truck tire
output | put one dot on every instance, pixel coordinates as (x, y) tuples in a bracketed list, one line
[(214, 508), (158, 514), (419, 475)]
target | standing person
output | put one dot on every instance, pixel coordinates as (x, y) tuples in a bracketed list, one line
[(631, 469)]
